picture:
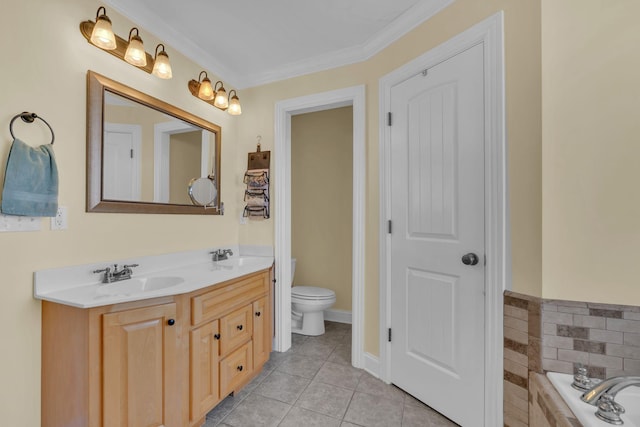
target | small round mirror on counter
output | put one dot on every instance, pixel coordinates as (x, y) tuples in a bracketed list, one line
[(202, 191)]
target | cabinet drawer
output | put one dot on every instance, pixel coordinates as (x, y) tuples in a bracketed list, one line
[(235, 369), (235, 329), (213, 304)]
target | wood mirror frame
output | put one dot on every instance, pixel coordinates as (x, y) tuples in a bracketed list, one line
[(96, 87)]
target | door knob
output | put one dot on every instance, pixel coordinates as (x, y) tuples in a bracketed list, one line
[(239, 327), (470, 259), (171, 322)]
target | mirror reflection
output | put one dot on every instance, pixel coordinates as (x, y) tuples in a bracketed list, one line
[(150, 156), (144, 154)]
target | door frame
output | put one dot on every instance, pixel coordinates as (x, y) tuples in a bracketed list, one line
[(354, 96), (490, 33)]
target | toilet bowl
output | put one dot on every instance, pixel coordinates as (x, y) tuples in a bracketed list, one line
[(307, 307)]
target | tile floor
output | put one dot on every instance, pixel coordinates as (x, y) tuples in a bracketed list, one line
[(314, 384)]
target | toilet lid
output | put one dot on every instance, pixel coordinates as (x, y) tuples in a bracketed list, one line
[(312, 292)]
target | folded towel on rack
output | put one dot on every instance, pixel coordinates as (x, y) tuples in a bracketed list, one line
[(30, 181), (257, 178)]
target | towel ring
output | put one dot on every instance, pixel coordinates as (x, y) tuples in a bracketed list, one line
[(29, 118)]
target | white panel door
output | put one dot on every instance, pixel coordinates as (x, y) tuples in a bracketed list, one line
[(121, 162), (437, 199)]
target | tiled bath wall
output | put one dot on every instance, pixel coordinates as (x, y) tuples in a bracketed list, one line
[(552, 335), (605, 338)]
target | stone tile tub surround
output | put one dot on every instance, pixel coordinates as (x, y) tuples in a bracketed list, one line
[(603, 337), (522, 343), (552, 335)]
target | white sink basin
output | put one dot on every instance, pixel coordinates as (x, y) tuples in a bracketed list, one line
[(238, 261), (139, 285)]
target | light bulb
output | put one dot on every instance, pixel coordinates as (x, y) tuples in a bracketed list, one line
[(234, 105), (102, 34), (206, 91), (221, 100), (135, 54), (161, 65)]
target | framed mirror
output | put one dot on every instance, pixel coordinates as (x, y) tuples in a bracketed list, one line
[(144, 154)]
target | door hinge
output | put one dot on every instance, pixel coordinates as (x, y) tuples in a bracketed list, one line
[(389, 334), (389, 226), (389, 118), (132, 153)]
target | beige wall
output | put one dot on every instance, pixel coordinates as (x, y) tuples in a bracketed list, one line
[(44, 70), (582, 112), (591, 151), (321, 201), (523, 100), (184, 164)]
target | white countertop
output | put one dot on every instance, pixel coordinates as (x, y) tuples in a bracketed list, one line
[(79, 287)]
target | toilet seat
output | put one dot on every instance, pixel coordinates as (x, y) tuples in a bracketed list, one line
[(312, 293)]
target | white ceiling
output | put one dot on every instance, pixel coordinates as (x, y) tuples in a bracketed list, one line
[(252, 42)]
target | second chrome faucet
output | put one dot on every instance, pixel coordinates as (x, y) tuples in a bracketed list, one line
[(221, 254)]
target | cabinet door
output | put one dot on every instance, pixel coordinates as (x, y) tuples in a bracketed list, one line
[(235, 369), (204, 369), (140, 368), (235, 329), (261, 332)]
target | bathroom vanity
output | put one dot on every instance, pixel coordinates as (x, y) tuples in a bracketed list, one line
[(162, 361)]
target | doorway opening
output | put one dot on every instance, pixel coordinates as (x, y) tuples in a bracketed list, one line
[(355, 98)]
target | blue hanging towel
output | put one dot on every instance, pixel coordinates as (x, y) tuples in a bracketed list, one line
[(30, 181)]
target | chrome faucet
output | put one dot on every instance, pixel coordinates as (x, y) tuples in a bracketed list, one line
[(116, 275), (221, 254), (602, 395)]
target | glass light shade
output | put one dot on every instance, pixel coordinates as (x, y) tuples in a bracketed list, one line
[(161, 66), (234, 106), (221, 99), (206, 91), (102, 34), (135, 54)]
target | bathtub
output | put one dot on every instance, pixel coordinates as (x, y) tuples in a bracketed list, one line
[(629, 398)]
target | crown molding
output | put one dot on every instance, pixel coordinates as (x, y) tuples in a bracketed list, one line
[(410, 19)]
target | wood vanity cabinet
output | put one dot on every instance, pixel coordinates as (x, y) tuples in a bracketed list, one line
[(163, 362), (241, 314)]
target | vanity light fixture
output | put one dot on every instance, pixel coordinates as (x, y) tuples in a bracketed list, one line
[(161, 65), (234, 104), (135, 54), (215, 95), (206, 90), (221, 101), (101, 35)]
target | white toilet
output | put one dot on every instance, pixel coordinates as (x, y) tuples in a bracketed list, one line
[(307, 307)]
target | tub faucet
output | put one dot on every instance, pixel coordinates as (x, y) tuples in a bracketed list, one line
[(221, 254), (602, 395)]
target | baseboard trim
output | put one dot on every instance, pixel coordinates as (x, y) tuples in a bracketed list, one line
[(372, 364), (340, 316)]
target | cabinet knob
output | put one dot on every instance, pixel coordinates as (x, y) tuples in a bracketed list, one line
[(239, 327), (240, 368), (217, 336), (258, 313), (171, 322)]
